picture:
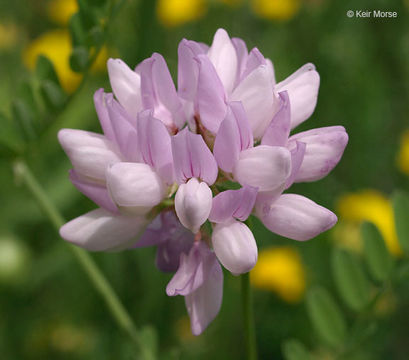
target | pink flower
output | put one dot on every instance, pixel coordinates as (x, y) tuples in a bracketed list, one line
[(165, 165)]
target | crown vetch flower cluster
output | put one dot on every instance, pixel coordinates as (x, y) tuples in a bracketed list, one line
[(166, 162)]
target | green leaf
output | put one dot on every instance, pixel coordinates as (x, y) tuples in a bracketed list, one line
[(77, 31), (79, 59), (150, 338), (377, 256), (400, 201), (326, 316), (53, 95), (350, 279), (295, 350), (10, 141), (24, 118), (45, 70)]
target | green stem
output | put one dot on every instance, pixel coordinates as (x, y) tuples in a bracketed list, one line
[(99, 281), (248, 317)]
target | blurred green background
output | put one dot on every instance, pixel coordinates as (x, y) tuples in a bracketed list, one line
[(49, 308)]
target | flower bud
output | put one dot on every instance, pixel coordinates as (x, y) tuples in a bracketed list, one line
[(235, 247), (193, 202)]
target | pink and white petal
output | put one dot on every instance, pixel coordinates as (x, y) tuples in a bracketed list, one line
[(155, 145), (96, 192), (278, 130), (192, 158), (324, 149), (264, 167), (210, 101), (302, 87), (254, 60), (135, 186), (100, 100), (124, 128), (271, 70), (258, 99), (193, 202), (90, 153), (188, 69), (100, 230), (235, 246), (126, 85), (231, 204), (222, 54), (191, 272), (297, 217), (242, 55), (204, 304)]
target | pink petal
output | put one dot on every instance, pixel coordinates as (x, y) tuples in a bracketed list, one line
[(222, 54), (159, 93), (258, 99), (193, 202), (324, 149), (126, 85), (155, 145), (235, 246), (297, 157), (254, 60), (234, 135), (100, 230), (279, 129), (296, 217), (96, 192), (302, 87), (264, 167), (210, 102), (90, 153), (100, 99), (192, 158), (242, 55), (231, 204), (135, 187)]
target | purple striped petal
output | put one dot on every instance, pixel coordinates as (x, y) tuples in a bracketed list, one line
[(297, 157), (296, 217), (324, 149), (124, 128), (155, 145), (210, 102), (188, 68), (100, 99), (279, 129), (192, 158), (234, 136), (233, 204), (96, 192), (159, 93)]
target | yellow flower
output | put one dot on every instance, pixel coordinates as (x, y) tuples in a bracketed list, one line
[(8, 35), (60, 11), (56, 45), (177, 12), (275, 9), (280, 270), (371, 205), (403, 155)]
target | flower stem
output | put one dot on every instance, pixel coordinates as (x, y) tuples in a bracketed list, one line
[(101, 284), (248, 317)]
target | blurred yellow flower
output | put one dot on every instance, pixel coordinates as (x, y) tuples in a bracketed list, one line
[(8, 35), (177, 12), (403, 155), (373, 206), (280, 270), (60, 11), (56, 45), (275, 9)]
